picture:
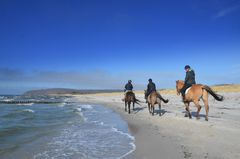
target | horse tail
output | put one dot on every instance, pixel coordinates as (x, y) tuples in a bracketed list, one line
[(137, 101), (215, 95), (164, 100)]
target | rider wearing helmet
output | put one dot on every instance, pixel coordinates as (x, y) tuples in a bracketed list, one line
[(150, 88), (189, 80), (128, 86)]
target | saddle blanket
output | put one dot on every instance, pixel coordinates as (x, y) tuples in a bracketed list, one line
[(187, 90)]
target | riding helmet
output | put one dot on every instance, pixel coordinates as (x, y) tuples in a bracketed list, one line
[(187, 67)]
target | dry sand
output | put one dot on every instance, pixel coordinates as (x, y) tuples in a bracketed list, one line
[(172, 136)]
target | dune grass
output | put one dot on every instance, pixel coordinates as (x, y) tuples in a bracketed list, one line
[(227, 88)]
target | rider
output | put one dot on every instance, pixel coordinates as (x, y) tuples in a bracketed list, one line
[(128, 88), (150, 88), (189, 80)]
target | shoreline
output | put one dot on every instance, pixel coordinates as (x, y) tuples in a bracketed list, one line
[(173, 136), (148, 139)]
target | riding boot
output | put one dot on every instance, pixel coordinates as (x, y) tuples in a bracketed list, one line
[(146, 99)]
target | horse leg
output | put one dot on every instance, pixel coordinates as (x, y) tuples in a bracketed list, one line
[(125, 106), (152, 105), (133, 105), (207, 110), (129, 105), (160, 111), (205, 101), (188, 114), (196, 102), (149, 108)]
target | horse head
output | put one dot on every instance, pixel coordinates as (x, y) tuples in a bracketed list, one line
[(179, 86)]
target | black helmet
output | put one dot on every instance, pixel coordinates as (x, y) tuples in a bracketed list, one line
[(129, 81), (149, 80), (187, 67)]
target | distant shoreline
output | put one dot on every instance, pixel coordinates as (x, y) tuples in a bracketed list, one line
[(64, 91)]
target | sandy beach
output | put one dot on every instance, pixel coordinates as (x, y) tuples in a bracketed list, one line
[(172, 136)]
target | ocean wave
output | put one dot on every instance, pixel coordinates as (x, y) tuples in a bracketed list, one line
[(18, 114), (62, 104), (25, 104), (86, 107), (131, 151), (115, 129), (12, 130), (79, 112), (79, 109), (2, 97), (28, 110), (122, 133), (92, 139), (7, 100)]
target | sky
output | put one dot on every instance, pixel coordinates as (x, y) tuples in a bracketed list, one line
[(93, 44)]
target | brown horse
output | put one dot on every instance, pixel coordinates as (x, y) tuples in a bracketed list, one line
[(154, 98), (130, 98), (194, 94)]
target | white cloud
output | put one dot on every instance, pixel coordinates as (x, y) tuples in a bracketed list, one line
[(227, 11)]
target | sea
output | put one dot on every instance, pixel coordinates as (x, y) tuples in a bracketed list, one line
[(61, 128)]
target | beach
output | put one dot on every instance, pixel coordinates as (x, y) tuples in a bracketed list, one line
[(174, 136)]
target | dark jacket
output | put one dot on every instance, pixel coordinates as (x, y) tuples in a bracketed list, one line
[(128, 87), (151, 87), (190, 78)]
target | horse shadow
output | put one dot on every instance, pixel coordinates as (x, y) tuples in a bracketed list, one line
[(162, 111), (194, 114), (138, 109)]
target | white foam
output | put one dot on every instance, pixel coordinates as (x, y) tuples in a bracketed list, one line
[(123, 133), (132, 143), (28, 110), (62, 104), (8, 100), (115, 130), (131, 151), (25, 104), (79, 109), (86, 106)]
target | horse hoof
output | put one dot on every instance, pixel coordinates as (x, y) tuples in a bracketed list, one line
[(206, 119), (185, 115)]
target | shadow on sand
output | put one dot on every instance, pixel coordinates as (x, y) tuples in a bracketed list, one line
[(138, 109), (194, 114), (162, 111)]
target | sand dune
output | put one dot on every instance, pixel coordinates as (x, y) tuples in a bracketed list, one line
[(174, 136)]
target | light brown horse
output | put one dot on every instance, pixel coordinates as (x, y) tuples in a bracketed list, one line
[(130, 98), (154, 98), (194, 94)]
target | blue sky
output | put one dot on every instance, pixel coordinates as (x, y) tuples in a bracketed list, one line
[(96, 44)]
